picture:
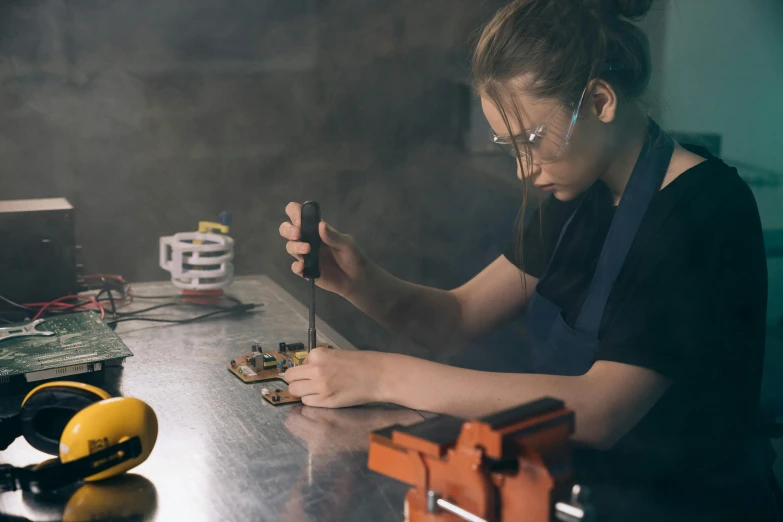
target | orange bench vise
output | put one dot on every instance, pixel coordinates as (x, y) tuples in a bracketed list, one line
[(511, 466)]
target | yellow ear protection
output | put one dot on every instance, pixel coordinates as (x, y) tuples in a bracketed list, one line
[(95, 436)]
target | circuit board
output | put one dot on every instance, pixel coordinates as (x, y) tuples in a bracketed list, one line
[(82, 343), (243, 368), (250, 372), (279, 397)]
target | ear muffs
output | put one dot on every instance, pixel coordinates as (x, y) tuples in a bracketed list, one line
[(48, 408), (95, 436), (105, 424)]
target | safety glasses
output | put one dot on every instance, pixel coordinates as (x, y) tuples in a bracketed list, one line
[(547, 140)]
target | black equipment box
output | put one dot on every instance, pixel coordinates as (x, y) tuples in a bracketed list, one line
[(37, 250)]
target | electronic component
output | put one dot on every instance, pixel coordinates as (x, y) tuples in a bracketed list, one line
[(300, 357), (81, 343), (295, 347), (269, 360), (256, 360), (262, 360), (38, 259), (282, 347)]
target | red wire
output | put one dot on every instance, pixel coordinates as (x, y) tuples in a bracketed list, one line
[(61, 305)]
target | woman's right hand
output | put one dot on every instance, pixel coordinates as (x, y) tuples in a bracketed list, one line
[(342, 261)]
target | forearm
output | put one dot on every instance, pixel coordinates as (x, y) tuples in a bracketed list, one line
[(428, 386), (427, 316)]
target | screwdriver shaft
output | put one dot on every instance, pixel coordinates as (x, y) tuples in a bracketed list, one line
[(311, 330)]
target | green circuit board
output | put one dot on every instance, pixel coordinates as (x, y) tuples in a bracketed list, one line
[(80, 341)]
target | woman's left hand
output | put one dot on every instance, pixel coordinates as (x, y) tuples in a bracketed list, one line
[(333, 378)]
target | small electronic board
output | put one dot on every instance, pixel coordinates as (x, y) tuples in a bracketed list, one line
[(278, 397), (260, 366)]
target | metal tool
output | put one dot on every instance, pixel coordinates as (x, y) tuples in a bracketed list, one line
[(311, 217), (509, 466), (28, 330)]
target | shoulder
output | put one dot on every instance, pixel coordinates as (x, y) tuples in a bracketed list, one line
[(704, 215), (710, 195)]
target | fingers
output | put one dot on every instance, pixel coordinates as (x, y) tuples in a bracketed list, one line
[(289, 231), (297, 249), (299, 373), (303, 381), (303, 388), (317, 401), (297, 267), (294, 212)]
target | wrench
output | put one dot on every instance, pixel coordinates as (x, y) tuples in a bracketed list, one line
[(27, 330)]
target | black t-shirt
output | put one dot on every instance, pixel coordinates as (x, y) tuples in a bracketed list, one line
[(689, 304)]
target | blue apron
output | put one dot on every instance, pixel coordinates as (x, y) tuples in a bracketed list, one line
[(556, 347)]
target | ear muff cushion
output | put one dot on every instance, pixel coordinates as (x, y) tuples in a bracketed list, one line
[(46, 412)]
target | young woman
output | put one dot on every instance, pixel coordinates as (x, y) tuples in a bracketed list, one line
[(642, 276)]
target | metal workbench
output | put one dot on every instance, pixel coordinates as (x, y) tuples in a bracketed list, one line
[(224, 454)]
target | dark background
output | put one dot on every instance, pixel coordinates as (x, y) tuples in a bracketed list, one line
[(152, 115)]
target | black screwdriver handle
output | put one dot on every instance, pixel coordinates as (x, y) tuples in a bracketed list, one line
[(311, 217)]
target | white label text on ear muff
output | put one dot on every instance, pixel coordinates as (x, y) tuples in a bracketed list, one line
[(64, 449)]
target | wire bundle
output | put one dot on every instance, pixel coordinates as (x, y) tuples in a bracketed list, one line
[(118, 294)]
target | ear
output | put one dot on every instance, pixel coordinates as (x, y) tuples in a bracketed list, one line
[(603, 101)]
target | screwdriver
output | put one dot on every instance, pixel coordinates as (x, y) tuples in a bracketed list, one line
[(311, 217)]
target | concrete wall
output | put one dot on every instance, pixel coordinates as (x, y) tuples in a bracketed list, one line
[(154, 114), (722, 73)]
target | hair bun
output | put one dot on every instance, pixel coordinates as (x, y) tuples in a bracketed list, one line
[(633, 9)]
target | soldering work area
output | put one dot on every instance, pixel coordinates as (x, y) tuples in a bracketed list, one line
[(102, 357), (373, 261)]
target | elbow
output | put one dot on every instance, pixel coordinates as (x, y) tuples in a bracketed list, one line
[(598, 441), (596, 430), (462, 330)]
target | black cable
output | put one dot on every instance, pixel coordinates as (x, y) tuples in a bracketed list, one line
[(150, 308), (113, 307), (237, 309), (17, 305), (181, 296), (177, 303), (172, 296)]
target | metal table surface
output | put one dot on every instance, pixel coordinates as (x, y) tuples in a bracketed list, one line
[(222, 453)]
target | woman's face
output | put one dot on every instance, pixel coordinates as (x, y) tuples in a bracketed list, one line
[(577, 166)]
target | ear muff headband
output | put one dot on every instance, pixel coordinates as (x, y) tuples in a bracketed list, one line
[(48, 408), (102, 394)]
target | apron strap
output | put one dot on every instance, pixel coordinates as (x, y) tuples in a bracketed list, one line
[(645, 181)]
